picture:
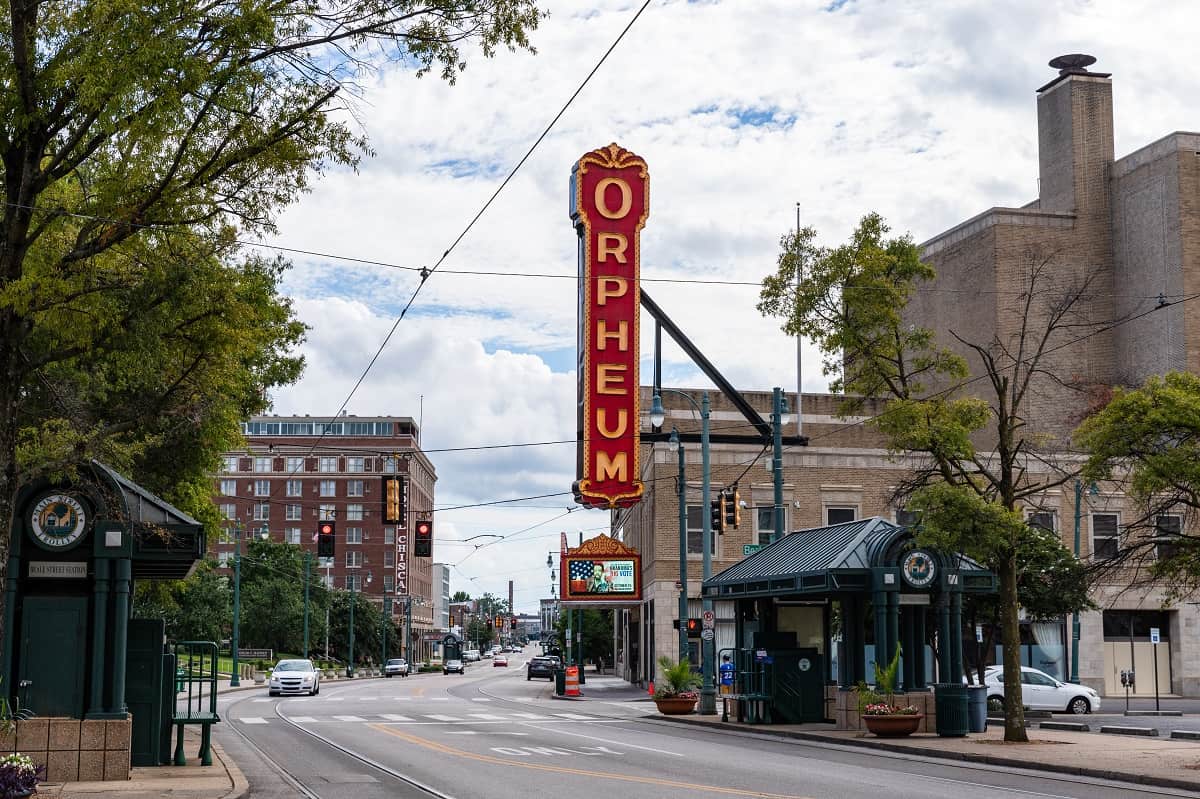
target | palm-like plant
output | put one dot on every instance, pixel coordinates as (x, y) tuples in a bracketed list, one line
[(678, 680)]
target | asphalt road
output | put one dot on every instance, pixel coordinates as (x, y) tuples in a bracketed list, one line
[(487, 735)]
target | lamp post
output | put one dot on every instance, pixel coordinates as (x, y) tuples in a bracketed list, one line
[(387, 622), (779, 417), (235, 679), (307, 560), (683, 579), (1093, 490), (708, 694), (350, 656)]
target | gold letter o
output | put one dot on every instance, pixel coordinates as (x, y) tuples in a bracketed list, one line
[(626, 198)]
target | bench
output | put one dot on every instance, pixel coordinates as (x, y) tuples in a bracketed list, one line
[(758, 708), (198, 674)]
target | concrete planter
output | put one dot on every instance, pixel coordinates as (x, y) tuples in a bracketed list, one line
[(894, 726), (260, 677), (675, 706)]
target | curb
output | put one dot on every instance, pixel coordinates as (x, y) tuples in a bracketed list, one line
[(991, 760), (241, 786)]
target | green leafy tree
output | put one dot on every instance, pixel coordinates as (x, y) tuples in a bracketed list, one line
[(272, 600), (460, 596), (138, 143), (368, 627), (195, 609), (852, 300), (1147, 441)]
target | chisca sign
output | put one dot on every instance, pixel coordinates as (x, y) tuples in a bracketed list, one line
[(610, 200)]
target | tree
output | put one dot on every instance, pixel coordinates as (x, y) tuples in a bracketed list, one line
[(272, 600), (1147, 440), (851, 300), (460, 596), (194, 609), (138, 143)]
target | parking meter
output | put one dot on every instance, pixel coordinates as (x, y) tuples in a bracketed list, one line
[(1127, 681)]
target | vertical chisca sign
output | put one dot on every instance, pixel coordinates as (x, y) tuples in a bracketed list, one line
[(610, 200)]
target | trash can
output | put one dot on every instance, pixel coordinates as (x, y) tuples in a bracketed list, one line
[(560, 681), (180, 674), (950, 701), (977, 708)]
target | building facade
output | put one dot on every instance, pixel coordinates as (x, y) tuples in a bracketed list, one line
[(298, 471), (441, 596), (1121, 237)]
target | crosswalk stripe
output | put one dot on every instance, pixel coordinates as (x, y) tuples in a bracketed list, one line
[(443, 718), (486, 716), (439, 699), (303, 719), (394, 717), (254, 720), (367, 698), (349, 718), (574, 716), (530, 716), (480, 699), (268, 699)]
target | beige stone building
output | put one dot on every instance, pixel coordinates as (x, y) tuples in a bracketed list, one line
[(1118, 241)]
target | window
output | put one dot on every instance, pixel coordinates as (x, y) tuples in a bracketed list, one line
[(262, 464), (327, 513), (1167, 530), (295, 465), (230, 463), (695, 532), (292, 535), (354, 464), (1045, 519), (1105, 535), (389, 464), (223, 558), (353, 558), (1135, 625), (293, 513), (354, 488), (228, 511), (229, 488), (1033, 678), (327, 580), (389, 583), (262, 511), (354, 512), (840, 515), (228, 535), (389, 557), (262, 488), (389, 535), (329, 488), (294, 488), (764, 523), (328, 465), (353, 535)]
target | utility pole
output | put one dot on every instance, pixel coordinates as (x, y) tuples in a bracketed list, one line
[(235, 680), (307, 559)]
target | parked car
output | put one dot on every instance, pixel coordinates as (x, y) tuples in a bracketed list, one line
[(1040, 691), (396, 666), (453, 665), (294, 677), (541, 666), (471, 655), (500, 660)]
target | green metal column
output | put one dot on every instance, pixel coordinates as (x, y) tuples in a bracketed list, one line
[(777, 410), (945, 666), (684, 647), (920, 678), (99, 636), (235, 679), (11, 582), (893, 623), (307, 561), (955, 640), (350, 656), (879, 600), (120, 637)]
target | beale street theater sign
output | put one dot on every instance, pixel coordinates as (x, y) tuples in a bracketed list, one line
[(610, 200)]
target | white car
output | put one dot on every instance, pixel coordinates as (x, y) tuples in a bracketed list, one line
[(1040, 691), (294, 677)]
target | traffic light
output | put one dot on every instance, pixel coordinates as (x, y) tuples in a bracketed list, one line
[(394, 505), (731, 513), (499, 622), (423, 545), (717, 514), (693, 627), (325, 537), (737, 507)]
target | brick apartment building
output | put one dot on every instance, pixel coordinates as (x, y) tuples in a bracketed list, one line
[(1122, 233), (298, 470)]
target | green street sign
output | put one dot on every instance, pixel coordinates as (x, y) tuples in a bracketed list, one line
[(750, 549)]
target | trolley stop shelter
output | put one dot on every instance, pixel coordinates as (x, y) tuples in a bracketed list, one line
[(71, 649), (838, 591)]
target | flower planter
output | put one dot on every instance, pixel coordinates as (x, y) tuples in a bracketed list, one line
[(675, 706), (893, 726), (259, 678)]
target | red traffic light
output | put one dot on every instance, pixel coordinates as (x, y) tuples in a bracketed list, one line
[(423, 545), (325, 528)]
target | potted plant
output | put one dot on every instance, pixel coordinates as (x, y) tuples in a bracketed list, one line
[(880, 714), (676, 694), (260, 673), (18, 776)]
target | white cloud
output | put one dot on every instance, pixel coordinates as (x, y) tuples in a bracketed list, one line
[(923, 111)]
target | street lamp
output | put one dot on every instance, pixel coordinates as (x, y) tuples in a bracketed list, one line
[(779, 417), (235, 680), (708, 694), (674, 445), (350, 656)]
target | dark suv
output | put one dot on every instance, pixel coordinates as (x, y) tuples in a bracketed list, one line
[(541, 666)]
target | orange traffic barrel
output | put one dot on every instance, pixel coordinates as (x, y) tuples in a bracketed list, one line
[(572, 681)]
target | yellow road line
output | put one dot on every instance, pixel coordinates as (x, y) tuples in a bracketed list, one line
[(689, 786)]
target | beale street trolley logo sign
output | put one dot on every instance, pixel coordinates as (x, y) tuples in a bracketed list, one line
[(918, 568), (57, 521), (610, 200)]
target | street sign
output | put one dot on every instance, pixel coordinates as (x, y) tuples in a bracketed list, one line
[(750, 549), (760, 655), (1154, 639), (979, 633), (708, 619), (707, 634)]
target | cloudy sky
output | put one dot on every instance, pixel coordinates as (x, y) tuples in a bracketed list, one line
[(922, 111)]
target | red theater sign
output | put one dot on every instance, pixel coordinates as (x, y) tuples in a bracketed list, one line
[(610, 200)]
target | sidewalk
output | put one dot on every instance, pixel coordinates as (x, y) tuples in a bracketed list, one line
[(1148, 761)]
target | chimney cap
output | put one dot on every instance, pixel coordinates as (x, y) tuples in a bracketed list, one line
[(1072, 62)]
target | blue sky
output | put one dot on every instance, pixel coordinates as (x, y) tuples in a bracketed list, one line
[(922, 111)]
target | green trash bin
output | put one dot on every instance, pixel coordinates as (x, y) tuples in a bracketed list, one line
[(180, 674), (560, 681), (950, 701)]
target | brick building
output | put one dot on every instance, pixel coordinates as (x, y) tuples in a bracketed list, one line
[(298, 470), (1121, 236)]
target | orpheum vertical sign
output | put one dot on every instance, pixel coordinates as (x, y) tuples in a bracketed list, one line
[(610, 200)]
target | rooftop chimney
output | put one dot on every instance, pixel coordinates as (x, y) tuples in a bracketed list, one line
[(1075, 138)]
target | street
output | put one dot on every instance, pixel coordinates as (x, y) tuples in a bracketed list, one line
[(492, 734)]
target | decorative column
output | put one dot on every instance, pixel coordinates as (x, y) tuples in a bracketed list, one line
[(879, 600), (945, 665), (11, 585), (120, 635), (893, 623), (920, 678), (100, 596), (955, 640)]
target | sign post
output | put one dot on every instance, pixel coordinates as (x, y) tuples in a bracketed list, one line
[(1154, 638)]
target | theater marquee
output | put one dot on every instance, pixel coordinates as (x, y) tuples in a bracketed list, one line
[(610, 200), (600, 572)]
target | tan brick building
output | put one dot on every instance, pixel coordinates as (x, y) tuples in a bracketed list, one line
[(1120, 236)]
